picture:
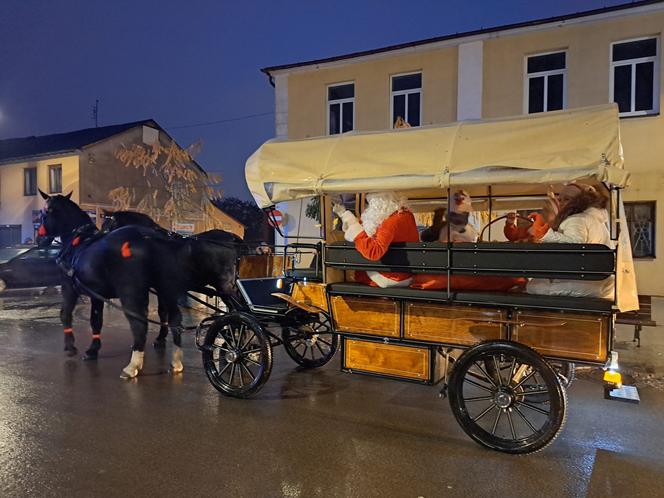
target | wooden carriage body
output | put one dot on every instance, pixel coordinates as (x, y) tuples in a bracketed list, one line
[(400, 332)]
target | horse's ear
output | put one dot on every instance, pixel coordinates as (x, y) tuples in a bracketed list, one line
[(44, 196), (68, 196)]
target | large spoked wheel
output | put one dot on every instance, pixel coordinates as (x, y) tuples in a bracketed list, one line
[(507, 397), (237, 355), (313, 343)]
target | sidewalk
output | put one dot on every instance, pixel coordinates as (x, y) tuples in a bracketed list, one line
[(645, 365)]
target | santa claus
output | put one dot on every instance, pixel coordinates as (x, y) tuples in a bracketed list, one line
[(387, 219)]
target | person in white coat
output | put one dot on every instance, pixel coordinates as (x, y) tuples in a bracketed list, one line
[(582, 219)]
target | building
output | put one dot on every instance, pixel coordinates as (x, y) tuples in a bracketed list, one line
[(85, 163), (606, 55)]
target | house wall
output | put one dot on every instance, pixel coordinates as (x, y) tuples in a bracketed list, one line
[(101, 172), (491, 71), (16, 208)]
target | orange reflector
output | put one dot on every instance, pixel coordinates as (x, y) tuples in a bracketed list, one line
[(42, 231), (613, 377), (76, 241), (126, 251)]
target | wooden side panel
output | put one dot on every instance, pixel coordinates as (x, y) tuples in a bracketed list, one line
[(312, 294), (260, 266), (566, 335), (363, 315), (389, 359), (463, 325)]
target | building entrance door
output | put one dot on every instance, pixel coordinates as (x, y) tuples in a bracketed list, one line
[(10, 235)]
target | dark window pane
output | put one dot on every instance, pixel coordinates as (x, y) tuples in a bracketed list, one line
[(55, 179), (622, 87), (414, 109), (398, 107), (407, 82), (536, 94), (341, 92), (547, 62), (641, 225), (335, 118), (347, 114), (554, 98), (644, 86), (635, 49), (30, 181)]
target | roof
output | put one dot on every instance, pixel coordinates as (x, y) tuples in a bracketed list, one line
[(519, 154), (426, 41), (22, 148)]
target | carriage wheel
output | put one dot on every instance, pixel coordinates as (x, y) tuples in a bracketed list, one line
[(517, 406), (312, 344), (566, 371), (237, 355)]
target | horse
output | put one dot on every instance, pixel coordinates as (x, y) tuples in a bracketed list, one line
[(208, 257), (124, 264)]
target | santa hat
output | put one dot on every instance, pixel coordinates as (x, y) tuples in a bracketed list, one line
[(461, 202)]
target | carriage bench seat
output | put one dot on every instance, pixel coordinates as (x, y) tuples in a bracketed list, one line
[(503, 299)]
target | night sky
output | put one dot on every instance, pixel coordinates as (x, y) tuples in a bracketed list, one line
[(190, 62)]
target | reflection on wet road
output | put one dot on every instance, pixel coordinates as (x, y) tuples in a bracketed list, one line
[(73, 428)]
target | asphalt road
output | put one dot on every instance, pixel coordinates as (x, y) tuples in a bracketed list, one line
[(73, 428)]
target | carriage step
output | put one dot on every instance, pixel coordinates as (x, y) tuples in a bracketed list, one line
[(628, 394)]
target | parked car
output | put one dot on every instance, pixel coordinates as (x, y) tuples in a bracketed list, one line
[(28, 267)]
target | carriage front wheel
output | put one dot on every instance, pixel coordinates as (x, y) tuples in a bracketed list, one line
[(237, 355), (507, 397), (312, 343)]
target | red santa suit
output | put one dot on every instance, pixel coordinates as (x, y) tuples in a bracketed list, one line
[(398, 225)]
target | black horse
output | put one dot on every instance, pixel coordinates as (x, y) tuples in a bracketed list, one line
[(208, 259), (124, 264)]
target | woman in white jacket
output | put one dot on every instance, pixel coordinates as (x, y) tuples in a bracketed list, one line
[(582, 219)]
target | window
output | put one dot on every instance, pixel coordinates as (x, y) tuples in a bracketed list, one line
[(340, 108), (407, 98), (30, 181), (641, 226), (634, 76), (545, 82), (55, 179)]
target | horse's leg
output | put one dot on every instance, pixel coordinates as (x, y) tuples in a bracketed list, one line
[(67, 315), (96, 322), (136, 311), (162, 309), (175, 323)]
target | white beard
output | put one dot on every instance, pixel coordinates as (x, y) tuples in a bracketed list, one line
[(379, 209)]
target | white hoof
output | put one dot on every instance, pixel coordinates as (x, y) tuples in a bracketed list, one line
[(176, 362), (135, 365)]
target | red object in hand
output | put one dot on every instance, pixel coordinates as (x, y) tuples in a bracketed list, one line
[(42, 231), (539, 227)]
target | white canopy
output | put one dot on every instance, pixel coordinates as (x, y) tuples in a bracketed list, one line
[(546, 148)]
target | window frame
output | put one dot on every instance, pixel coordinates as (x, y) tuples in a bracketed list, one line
[(546, 74), (632, 62), (341, 103), (394, 93), (36, 187), (653, 254), (52, 167)]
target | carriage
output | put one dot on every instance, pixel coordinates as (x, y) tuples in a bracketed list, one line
[(503, 359)]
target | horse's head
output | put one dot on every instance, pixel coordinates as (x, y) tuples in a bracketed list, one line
[(59, 217)]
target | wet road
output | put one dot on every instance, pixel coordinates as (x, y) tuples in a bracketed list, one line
[(71, 428)]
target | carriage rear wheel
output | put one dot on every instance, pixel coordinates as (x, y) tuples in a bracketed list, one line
[(517, 406), (311, 344), (237, 355)]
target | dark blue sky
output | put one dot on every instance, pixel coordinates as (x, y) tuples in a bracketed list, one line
[(185, 62)]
